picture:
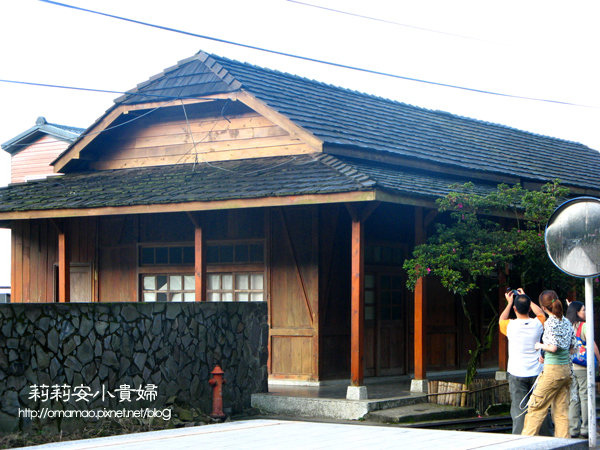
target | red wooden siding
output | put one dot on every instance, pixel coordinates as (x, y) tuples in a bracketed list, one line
[(34, 160)]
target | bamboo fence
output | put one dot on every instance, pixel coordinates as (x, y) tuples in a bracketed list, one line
[(479, 395)]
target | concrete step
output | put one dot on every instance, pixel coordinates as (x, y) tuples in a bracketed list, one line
[(328, 407), (420, 412)]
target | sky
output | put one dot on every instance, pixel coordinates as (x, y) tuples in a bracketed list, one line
[(545, 50)]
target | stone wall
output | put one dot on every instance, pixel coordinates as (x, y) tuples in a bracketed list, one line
[(105, 346)]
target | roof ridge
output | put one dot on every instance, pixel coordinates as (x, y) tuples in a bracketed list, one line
[(220, 71), (345, 169), (208, 60)]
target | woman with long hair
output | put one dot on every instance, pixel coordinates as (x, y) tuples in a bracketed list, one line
[(552, 388), (578, 409)]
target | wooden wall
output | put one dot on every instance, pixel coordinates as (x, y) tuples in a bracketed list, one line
[(33, 161), (213, 131), (117, 258), (308, 260), (34, 255)]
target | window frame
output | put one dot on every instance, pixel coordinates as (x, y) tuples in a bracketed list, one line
[(189, 269)]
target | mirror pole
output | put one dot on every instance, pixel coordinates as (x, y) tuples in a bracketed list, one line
[(591, 369)]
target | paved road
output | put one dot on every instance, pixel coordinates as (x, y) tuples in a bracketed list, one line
[(280, 434)]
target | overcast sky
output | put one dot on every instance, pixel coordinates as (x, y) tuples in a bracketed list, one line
[(537, 49)]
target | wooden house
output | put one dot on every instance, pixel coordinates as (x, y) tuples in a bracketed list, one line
[(32, 151), (218, 180)]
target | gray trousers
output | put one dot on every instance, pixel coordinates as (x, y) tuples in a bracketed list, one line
[(520, 388), (578, 410)]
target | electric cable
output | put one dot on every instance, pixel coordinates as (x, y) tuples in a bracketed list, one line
[(310, 59), (391, 22)]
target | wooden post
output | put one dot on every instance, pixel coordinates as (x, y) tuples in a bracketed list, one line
[(419, 326), (199, 259), (64, 280), (502, 340), (199, 264), (357, 299)]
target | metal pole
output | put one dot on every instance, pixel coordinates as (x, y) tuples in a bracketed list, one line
[(591, 368)]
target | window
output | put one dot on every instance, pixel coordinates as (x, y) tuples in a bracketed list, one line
[(384, 255), (168, 288), (167, 255), (236, 286), (216, 253), (391, 297), (235, 271), (235, 253)]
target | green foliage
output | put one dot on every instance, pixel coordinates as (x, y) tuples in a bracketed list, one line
[(474, 243), (479, 235)]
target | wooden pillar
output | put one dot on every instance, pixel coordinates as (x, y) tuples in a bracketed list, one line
[(419, 306), (199, 259), (199, 264), (502, 340), (357, 353), (64, 279)]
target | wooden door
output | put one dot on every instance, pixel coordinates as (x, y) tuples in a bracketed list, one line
[(81, 282), (385, 323), (293, 299)]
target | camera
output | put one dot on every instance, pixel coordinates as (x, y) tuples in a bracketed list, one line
[(514, 292)]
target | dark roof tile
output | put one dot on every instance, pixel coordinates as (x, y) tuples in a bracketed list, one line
[(251, 178)]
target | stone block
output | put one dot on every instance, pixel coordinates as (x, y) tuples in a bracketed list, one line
[(356, 393), (420, 386), (53, 340), (130, 313), (85, 352), (109, 358), (8, 423), (85, 326), (101, 327), (66, 330)]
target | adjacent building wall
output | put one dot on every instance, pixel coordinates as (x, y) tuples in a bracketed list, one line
[(34, 160)]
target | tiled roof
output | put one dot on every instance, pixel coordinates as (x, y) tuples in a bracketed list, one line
[(41, 127), (341, 117), (239, 179)]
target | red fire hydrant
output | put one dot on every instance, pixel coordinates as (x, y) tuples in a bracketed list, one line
[(217, 381)]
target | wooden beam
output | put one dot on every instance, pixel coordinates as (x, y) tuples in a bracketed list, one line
[(64, 281), (419, 307), (357, 339), (199, 264), (309, 199), (361, 211), (281, 120)]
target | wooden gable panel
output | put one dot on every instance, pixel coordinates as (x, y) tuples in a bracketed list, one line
[(195, 134)]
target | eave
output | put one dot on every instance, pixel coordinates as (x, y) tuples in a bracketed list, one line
[(310, 199)]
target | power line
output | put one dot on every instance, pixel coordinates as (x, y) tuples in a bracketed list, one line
[(30, 83), (377, 19), (306, 58)]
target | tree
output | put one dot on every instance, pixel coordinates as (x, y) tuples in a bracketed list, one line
[(482, 233)]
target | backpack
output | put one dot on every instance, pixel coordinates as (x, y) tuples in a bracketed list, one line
[(580, 355)]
